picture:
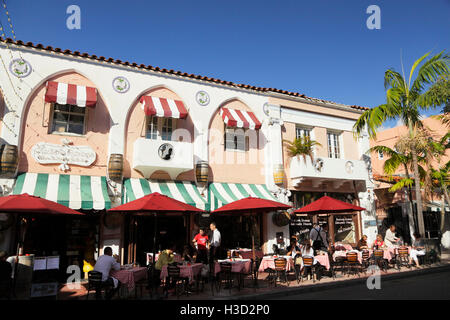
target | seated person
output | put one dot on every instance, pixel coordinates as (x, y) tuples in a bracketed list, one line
[(418, 249), (379, 243), (293, 248), (276, 250), (390, 239), (104, 264), (187, 254), (362, 243)]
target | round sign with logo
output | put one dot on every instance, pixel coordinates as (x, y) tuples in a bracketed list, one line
[(165, 151), (121, 84), (202, 98), (20, 68)]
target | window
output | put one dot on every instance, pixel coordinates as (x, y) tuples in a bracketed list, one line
[(68, 118), (235, 139), (333, 145), (159, 128), (302, 132)]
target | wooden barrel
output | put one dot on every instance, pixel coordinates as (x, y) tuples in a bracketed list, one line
[(9, 160), (115, 167), (201, 171), (278, 174), (281, 219)]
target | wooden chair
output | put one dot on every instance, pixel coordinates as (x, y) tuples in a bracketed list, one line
[(378, 257), (95, 282), (402, 257), (365, 263), (308, 267), (225, 275), (175, 279), (280, 270), (352, 263)]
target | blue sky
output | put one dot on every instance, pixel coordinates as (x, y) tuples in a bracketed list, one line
[(320, 48)]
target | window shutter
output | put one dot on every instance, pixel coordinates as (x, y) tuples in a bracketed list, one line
[(240, 141), (229, 140)]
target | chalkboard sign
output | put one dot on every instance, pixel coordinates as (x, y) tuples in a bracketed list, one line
[(344, 228), (48, 289)]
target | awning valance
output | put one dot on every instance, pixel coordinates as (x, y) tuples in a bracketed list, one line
[(165, 108), (185, 191), (223, 193), (240, 119), (66, 93), (73, 191)]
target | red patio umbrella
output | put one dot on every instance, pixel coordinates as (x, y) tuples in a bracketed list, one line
[(251, 204), (155, 203), (326, 205), (24, 203)]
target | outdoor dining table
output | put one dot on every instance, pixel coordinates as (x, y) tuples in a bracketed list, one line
[(247, 253), (268, 262), (128, 277), (189, 270), (323, 260), (237, 265)]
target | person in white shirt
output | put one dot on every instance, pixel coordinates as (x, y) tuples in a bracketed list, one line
[(214, 242), (390, 239), (105, 263)]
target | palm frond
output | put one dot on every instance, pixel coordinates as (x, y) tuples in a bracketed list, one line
[(430, 71)]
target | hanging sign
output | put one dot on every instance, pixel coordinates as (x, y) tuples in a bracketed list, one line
[(66, 154)]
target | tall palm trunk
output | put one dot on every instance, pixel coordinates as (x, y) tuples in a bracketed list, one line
[(447, 199), (418, 193)]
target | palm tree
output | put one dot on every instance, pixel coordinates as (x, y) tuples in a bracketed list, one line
[(302, 146), (405, 99)]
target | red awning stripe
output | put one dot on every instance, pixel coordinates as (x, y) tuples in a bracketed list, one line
[(66, 93), (162, 107), (240, 119)]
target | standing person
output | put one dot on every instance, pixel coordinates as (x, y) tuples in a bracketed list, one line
[(390, 239), (200, 241), (418, 249), (104, 264), (214, 242), (319, 237)]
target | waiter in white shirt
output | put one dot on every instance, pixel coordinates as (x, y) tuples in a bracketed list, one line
[(214, 242), (105, 263), (390, 239)]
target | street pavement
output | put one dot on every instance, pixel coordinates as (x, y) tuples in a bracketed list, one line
[(421, 286)]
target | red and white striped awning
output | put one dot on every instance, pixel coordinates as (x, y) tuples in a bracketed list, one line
[(66, 93), (240, 119), (165, 108)]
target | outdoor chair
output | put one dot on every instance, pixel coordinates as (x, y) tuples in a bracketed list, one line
[(95, 282), (308, 267), (365, 263), (298, 267), (225, 275), (378, 257), (280, 271), (402, 258), (175, 279), (352, 263), (146, 283)]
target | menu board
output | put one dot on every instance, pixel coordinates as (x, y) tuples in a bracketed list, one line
[(344, 228), (46, 263), (300, 226)]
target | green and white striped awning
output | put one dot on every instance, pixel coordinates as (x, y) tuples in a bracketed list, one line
[(73, 191), (185, 191), (221, 194)]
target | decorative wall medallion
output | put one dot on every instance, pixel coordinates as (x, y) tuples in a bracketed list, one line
[(318, 164), (266, 109), (202, 98), (121, 84), (165, 151), (48, 153), (349, 167), (20, 68)]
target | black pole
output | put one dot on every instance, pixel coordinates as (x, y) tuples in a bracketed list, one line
[(154, 248)]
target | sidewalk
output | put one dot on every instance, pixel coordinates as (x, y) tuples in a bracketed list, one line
[(266, 292)]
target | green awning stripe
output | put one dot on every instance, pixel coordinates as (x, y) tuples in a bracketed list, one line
[(257, 192), (268, 192), (130, 196), (19, 184), (86, 192), (145, 186), (106, 197), (64, 190), (185, 194), (242, 190), (40, 189), (217, 194), (228, 190), (165, 189)]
